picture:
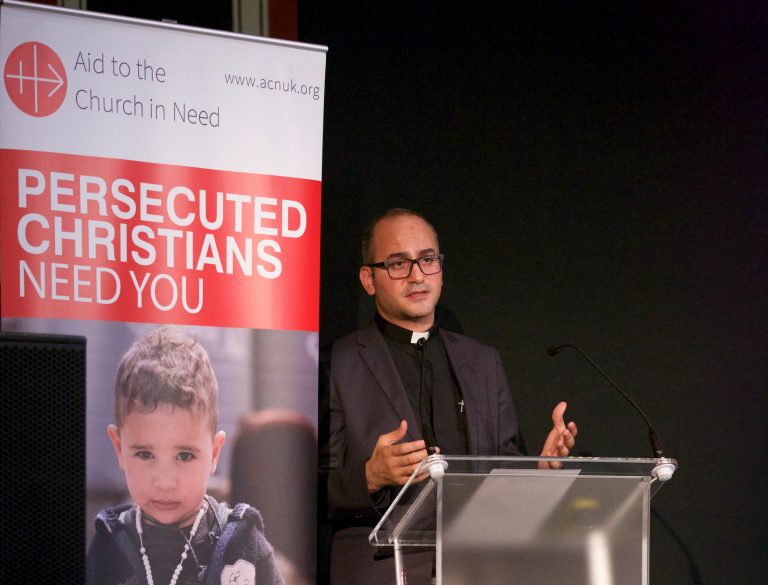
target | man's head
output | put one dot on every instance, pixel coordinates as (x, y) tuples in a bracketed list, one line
[(401, 234), (165, 438)]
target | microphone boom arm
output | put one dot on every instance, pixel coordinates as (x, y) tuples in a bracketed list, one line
[(654, 439)]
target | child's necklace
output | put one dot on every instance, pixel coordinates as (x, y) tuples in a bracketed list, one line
[(143, 550)]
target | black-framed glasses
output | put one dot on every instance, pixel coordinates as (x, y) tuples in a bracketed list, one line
[(402, 267)]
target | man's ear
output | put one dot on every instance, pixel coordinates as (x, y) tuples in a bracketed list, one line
[(366, 279), (218, 442), (114, 436)]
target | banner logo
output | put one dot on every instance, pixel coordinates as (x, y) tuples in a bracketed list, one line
[(35, 79)]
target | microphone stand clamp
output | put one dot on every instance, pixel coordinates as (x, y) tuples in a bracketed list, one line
[(436, 464), (664, 469)]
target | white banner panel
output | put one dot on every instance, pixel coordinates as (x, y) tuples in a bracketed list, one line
[(153, 173), (161, 93)]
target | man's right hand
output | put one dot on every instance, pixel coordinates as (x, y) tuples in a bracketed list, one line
[(392, 463)]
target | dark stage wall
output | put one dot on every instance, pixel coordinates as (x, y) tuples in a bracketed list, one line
[(597, 173)]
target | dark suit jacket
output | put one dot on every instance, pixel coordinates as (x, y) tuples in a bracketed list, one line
[(366, 399)]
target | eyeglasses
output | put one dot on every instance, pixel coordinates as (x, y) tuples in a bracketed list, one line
[(402, 267)]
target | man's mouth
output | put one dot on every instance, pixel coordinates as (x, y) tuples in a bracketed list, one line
[(165, 505)]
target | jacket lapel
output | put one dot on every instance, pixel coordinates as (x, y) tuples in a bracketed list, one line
[(374, 351), (468, 379)]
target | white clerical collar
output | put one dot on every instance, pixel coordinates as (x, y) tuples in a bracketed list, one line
[(416, 335)]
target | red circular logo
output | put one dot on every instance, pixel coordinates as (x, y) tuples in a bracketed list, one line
[(35, 79)]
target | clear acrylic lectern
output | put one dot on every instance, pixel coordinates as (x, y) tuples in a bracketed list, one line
[(494, 520)]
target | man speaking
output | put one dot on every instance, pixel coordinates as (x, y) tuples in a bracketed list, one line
[(401, 386)]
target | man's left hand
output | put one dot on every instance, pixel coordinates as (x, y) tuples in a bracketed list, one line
[(561, 438)]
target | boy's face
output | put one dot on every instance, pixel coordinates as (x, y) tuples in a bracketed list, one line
[(167, 456)]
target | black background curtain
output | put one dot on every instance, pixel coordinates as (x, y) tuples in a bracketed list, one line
[(597, 174)]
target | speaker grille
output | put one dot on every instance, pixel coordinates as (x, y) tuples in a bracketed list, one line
[(43, 438)]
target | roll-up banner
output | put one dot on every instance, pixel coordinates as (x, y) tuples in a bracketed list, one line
[(153, 174)]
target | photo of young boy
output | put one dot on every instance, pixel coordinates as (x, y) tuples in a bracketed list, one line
[(167, 444)]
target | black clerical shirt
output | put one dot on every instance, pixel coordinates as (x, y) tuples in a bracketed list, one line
[(443, 405)]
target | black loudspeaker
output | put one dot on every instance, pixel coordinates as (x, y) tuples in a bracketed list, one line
[(43, 440)]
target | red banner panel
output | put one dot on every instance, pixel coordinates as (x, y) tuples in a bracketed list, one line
[(98, 238)]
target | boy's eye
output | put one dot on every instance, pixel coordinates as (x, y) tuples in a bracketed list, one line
[(144, 455), (185, 456)]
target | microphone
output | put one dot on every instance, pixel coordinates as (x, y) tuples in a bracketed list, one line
[(436, 463), (665, 467)]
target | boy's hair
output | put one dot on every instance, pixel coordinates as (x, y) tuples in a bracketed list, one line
[(166, 367)]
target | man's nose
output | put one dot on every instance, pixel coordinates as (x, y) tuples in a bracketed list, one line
[(416, 274)]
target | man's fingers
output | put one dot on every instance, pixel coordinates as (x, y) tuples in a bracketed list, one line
[(401, 468), (560, 440), (403, 449), (557, 415), (406, 472), (568, 439), (395, 435)]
